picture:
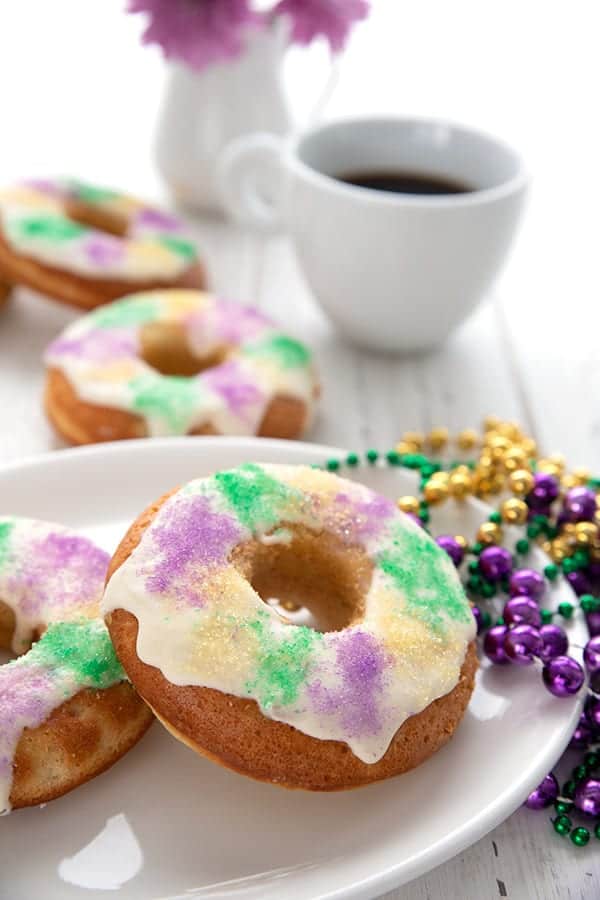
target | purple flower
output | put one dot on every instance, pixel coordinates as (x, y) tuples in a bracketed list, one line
[(331, 19), (197, 32)]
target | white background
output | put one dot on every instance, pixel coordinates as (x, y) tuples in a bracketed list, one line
[(79, 96)]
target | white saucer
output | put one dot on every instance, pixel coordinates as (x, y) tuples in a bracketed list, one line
[(164, 823)]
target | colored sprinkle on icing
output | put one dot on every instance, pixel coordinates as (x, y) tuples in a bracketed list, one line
[(283, 662), (52, 228), (6, 528), (172, 398), (257, 499), (420, 569), (130, 311), (289, 353), (83, 648), (178, 245)]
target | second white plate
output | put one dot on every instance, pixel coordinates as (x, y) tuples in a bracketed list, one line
[(164, 823)]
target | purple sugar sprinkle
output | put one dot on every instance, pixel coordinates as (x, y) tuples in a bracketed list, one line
[(43, 185), (354, 521), (61, 570), (190, 538), (229, 381), (158, 220), (360, 663), (229, 322), (104, 250), (99, 345)]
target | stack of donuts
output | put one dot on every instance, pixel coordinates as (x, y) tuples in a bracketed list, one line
[(179, 623)]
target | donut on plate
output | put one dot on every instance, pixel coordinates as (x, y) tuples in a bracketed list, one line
[(380, 689), (177, 362), (86, 245), (67, 711)]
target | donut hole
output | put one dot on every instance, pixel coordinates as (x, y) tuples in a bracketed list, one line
[(8, 623), (314, 579), (96, 217), (165, 348)]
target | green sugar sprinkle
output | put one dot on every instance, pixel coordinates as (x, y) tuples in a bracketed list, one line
[(53, 228), (88, 193), (290, 354), (83, 648), (131, 311), (177, 245), (283, 664), (171, 398), (418, 568), (258, 500), (6, 528)]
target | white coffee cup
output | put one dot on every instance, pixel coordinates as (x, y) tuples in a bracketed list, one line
[(393, 271)]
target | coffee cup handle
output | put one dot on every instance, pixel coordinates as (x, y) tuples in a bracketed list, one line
[(250, 177)]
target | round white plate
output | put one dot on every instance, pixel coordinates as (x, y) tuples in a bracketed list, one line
[(164, 823)]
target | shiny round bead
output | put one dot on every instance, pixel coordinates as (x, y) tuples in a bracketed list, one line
[(529, 446), (586, 533), (495, 562), (579, 773), (528, 582), (489, 533), (562, 825), (579, 582), (554, 642), (589, 603), (452, 548), (522, 644), (522, 546), (581, 736), (478, 616), (332, 465), (491, 422), (405, 449), (563, 676), (416, 438), (544, 795), (551, 571), (592, 760), (497, 446), (461, 540), (493, 644), (520, 481), (352, 459), (522, 610), (579, 504), (591, 654), (545, 490), (581, 474), (550, 468), (557, 459), (593, 623), (510, 430), (565, 609), (372, 456), (580, 836), (592, 712), (461, 484), (514, 511), (438, 438), (435, 491), (467, 439), (547, 616), (562, 807), (559, 549), (514, 459), (568, 789), (409, 504)]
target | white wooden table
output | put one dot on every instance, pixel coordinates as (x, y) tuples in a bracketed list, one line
[(531, 353)]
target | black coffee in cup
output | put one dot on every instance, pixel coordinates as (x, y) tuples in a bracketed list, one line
[(400, 182)]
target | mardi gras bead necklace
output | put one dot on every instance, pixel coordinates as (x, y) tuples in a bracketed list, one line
[(557, 509)]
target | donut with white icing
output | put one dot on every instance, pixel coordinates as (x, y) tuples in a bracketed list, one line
[(85, 245), (67, 711), (380, 689), (177, 362)]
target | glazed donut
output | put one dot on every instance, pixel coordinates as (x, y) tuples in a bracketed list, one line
[(375, 694), (67, 711), (177, 362), (86, 245)]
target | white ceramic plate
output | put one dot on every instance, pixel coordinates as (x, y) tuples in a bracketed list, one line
[(164, 823)]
